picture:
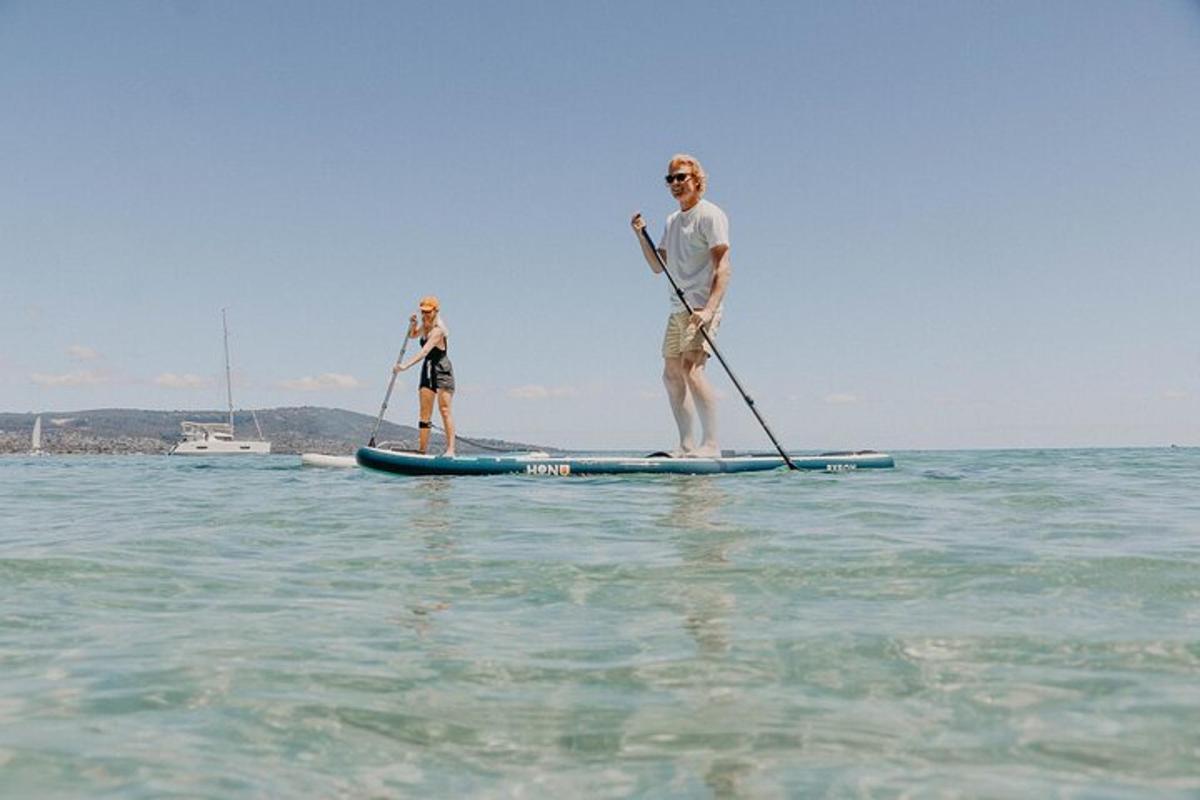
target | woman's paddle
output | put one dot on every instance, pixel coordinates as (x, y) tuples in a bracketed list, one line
[(749, 401), (387, 396)]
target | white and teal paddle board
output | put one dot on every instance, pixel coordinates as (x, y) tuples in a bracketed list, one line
[(545, 465), (322, 460)]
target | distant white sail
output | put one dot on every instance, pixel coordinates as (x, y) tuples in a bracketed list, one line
[(37, 437), (218, 438)]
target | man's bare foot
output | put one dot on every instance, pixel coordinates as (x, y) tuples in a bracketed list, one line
[(704, 451)]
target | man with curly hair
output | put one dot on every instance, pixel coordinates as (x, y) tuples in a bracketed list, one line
[(695, 247)]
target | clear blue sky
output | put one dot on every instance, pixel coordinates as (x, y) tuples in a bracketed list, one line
[(954, 224)]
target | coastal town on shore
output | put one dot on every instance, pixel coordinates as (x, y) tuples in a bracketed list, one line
[(290, 430), (75, 443), (71, 442)]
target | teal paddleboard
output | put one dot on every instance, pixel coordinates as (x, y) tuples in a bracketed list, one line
[(545, 465)]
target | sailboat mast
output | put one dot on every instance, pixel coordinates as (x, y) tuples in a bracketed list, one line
[(228, 384)]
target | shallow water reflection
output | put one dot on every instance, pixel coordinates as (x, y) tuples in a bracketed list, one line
[(257, 631)]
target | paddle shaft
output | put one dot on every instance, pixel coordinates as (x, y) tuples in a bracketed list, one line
[(716, 352), (388, 396)]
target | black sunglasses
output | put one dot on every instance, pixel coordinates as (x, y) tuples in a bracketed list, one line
[(677, 177)]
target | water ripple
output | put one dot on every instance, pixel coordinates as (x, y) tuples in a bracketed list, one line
[(1020, 623)]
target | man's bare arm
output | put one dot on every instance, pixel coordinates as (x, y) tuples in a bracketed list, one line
[(639, 225), (722, 271)]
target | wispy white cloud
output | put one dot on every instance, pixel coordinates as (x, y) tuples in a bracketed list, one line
[(85, 377), (186, 381), (80, 352), (328, 380), (1175, 394), (530, 392), (535, 391), (842, 399)]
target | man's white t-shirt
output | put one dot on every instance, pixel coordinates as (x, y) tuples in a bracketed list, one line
[(689, 239)]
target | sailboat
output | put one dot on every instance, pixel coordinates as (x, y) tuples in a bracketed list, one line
[(36, 439), (219, 438)]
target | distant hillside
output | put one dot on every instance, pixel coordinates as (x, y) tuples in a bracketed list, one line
[(306, 429)]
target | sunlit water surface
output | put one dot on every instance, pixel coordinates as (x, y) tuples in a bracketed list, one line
[(998, 624)]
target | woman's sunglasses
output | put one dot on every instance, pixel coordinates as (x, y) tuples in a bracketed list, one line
[(677, 177)]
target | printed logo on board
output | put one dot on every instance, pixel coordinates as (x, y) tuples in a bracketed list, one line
[(548, 469)]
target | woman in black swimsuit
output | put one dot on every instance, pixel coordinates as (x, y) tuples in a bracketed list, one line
[(437, 374)]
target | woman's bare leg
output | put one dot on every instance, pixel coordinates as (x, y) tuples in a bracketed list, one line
[(426, 414), (444, 398)]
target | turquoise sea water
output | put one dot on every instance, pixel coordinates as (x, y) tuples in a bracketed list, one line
[(977, 624)]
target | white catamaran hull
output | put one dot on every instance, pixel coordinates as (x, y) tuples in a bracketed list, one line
[(221, 448), (218, 438)]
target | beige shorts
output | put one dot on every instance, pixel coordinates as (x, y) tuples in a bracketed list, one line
[(684, 336)]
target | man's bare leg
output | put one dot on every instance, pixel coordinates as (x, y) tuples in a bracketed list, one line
[(675, 379), (705, 402)]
